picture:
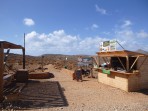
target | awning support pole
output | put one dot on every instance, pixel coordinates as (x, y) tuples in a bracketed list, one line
[(23, 58), (1, 70), (127, 63)]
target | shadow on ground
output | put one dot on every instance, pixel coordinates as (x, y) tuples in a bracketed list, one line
[(143, 91), (38, 95)]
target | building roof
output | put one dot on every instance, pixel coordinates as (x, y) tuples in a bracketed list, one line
[(122, 53), (10, 45)]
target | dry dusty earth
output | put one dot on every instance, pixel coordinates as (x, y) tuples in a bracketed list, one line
[(61, 93)]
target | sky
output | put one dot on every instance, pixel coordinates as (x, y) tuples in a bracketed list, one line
[(74, 26)]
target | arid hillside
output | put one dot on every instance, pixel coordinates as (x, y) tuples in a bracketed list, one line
[(34, 63)]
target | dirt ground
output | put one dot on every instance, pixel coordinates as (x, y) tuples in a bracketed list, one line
[(61, 93)]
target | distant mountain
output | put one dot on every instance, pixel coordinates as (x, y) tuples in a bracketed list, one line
[(142, 51)]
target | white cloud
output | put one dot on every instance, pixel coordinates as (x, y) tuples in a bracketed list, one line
[(28, 22), (60, 43), (94, 26), (127, 23), (142, 34), (31, 35), (106, 33), (100, 10), (130, 39)]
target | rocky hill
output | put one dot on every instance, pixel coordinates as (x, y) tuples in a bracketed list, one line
[(34, 63)]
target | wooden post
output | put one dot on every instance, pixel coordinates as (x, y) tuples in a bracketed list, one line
[(99, 61), (23, 58), (127, 63), (1, 70), (42, 64)]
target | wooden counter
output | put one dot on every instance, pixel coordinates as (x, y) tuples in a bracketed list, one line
[(119, 72)]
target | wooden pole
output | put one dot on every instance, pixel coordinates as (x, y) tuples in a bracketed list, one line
[(24, 40), (23, 58), (42, 64), (24, 53), (127, 63), (99, 61), (1, 70)]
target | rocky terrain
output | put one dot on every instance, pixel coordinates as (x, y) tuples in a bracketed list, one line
[(33, 63), (63, 93)]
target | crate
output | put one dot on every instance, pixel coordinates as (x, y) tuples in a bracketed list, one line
[(22, 76)]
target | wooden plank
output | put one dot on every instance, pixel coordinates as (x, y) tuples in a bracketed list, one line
[(142, 62), (1, 70), (7, 45)]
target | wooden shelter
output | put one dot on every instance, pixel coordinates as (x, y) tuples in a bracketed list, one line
[(7, 45), (124, 69)]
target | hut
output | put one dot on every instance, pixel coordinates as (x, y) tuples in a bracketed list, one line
[(126, 70), (7, 45)]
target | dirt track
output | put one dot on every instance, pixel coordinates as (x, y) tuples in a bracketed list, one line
[(63, 93), (90, 95)]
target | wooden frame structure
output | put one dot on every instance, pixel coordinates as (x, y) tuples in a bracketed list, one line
[(130, 78), (6, 45), (124, 53)]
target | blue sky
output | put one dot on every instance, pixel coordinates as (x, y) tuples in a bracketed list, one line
[(74, 26)]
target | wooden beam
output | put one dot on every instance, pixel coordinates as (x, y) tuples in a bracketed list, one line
[(134, 63), (121, 63), (7, 45), (96, 60), (104, 60), (1, 70), (107, 60)]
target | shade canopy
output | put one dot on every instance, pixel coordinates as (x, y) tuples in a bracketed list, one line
[(10, 45), (122, 53)]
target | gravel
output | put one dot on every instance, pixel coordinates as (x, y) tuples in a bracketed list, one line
[(61, 93)]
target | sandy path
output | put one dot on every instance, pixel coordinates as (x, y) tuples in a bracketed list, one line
[(90, 95), (61, 93)]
